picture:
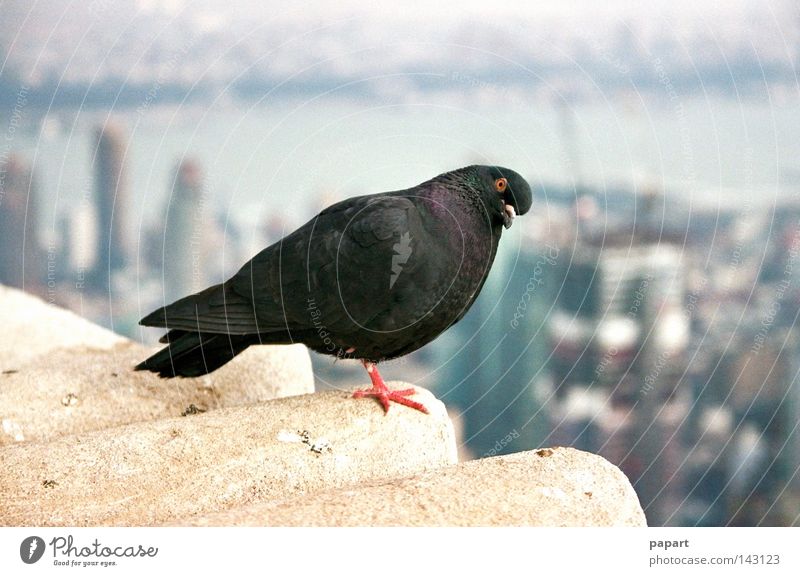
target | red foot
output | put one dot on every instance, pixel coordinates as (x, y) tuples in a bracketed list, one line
[(380, 391)]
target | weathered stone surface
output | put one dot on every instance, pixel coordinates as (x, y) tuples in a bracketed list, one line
[(81, 389), (32, 327), (85, 440), (263, 373), (155, 472), (547, 487), (60, 374)]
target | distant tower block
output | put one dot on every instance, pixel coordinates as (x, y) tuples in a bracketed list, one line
[(186, 233), (22, 264), (111, 197)]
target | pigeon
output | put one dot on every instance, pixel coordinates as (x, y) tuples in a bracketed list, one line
[(370, 278)]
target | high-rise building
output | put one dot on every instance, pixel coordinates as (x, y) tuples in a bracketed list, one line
[(186, 235), (111, 200), (615, 302), (493, 359), (619, 333), (22, 263)]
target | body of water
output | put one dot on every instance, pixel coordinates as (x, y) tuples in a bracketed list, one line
[(288, 158)]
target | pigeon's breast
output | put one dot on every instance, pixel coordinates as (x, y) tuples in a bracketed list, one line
[(434, 276)]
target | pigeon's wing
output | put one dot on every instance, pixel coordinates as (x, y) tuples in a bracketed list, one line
[(218, 309), (351, 264), (346, 270)]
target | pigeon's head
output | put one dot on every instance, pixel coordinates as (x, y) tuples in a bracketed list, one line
[(505, 193)]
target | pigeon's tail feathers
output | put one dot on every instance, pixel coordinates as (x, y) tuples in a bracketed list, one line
[(217, 310), (194, 353)]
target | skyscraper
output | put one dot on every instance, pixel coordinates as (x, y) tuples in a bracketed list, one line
[(494, 357), (186, 233), (22, 264), (619, 333), (111, 199)]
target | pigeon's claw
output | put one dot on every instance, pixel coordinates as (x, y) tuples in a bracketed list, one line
[(385, 396)]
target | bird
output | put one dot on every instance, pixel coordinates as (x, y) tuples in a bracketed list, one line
[(370, 278)]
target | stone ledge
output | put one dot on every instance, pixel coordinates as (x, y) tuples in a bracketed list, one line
[(155, 472), (60, 374), (82, 389), (547, 487), (32, 327), (84, 440)]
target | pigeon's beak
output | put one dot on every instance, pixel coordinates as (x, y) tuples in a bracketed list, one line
[(508, 216)]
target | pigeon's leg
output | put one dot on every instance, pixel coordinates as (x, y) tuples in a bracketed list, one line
[(383, 394)]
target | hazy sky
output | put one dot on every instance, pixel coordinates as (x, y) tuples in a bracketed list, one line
[(558, 9), (28, 24)]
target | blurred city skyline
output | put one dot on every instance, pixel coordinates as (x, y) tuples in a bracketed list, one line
[(646, 306)]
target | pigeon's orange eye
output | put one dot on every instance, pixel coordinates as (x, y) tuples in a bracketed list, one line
[(500, 184)]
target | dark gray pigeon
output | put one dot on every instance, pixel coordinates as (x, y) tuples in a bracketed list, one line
[(372, 278)]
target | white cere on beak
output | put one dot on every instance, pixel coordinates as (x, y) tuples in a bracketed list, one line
[(510, 215)]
